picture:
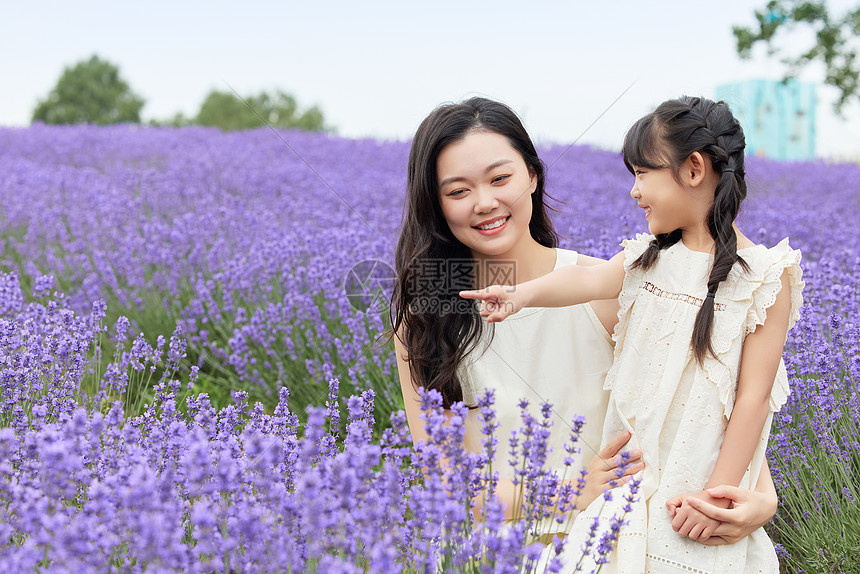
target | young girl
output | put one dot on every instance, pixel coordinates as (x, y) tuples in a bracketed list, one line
[(703, 319), (475, 200)]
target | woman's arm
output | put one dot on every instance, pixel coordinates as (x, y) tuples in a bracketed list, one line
[(568, 285), (411, 398)]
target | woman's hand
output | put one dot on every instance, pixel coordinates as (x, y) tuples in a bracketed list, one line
[(603, 468), (749, 511), (498, 302), (689, 522)]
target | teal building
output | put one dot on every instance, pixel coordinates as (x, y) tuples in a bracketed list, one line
[(778, 119)]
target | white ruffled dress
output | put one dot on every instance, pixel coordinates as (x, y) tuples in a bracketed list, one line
[(676, 410)]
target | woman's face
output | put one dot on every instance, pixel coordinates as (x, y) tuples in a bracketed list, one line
[(484, 191)]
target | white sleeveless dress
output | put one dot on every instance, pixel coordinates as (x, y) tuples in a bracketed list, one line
[(676, 410), (560, 355)]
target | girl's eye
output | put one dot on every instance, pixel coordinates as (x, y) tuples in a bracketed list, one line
[(499, 178), (638, 172), (456, 192)]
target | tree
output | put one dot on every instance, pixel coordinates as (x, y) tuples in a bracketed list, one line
[(177, 120), (91, 91), (229, 112), (835, 41)]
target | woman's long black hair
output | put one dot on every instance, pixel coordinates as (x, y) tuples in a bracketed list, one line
[(438, 329), (666, 138)]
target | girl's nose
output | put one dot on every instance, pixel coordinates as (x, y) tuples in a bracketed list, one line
[(634, 193), (485, 201)]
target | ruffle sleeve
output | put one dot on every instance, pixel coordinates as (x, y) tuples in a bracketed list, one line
[(748, 295), (633, 249), (784, 258)]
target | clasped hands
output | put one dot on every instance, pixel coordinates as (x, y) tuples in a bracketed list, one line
[(719, 515), (691, 523)]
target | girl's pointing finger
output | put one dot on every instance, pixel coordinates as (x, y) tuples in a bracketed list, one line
[(472, 295)]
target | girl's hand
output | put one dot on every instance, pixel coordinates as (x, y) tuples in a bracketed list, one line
[(750, 510), (603, 468), (689, 522), (498, 302)]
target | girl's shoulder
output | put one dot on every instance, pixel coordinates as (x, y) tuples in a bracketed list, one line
[(760, 258), (757, 282)]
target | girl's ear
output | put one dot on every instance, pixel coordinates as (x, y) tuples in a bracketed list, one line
[(695, 169)]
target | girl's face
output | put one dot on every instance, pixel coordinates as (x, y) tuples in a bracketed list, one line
[(484, 191), (668, 203)]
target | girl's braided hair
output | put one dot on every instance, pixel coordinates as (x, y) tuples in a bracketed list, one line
[(666, 138)]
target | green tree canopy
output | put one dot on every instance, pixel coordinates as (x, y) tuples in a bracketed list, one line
[(229, 112), (836, 41), (91, 91)]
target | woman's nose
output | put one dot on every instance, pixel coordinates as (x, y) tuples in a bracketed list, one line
[(485, 201)]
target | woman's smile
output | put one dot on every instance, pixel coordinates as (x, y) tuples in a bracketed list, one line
[(493, 226)]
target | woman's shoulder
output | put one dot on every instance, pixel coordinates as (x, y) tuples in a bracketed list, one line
[(565, 257), (571, 257), (596, 316)]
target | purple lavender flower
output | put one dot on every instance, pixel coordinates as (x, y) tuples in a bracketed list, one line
[(244, 296)]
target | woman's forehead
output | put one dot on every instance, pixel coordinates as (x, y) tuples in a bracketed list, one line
[(477, 150)]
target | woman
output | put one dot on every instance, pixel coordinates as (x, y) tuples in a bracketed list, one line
[(475, 215)]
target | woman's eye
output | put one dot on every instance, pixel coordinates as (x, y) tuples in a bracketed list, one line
[(499, 178), (456, 192)]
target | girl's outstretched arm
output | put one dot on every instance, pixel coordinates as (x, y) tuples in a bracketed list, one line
[(569, 285), (760, 359)]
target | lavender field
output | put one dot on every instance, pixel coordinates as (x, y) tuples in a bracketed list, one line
[(172, 311)]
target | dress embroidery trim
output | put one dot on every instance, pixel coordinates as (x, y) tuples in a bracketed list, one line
[(689, 299), (678, 565)]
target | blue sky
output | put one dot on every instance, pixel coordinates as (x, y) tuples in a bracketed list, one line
[(376, 68)]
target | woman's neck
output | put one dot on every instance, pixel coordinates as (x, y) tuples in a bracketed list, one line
[(521, 264)]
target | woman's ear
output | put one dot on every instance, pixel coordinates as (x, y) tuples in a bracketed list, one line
[(532, 181), (695, 169)]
